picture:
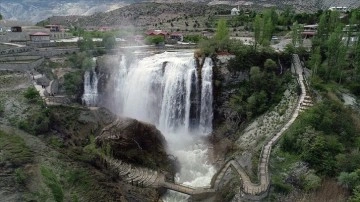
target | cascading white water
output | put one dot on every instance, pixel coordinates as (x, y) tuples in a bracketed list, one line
[(90, 96), (164, 89), (206, 112)]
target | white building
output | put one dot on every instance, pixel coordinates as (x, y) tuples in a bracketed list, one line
[(235, 11), (339, 9)]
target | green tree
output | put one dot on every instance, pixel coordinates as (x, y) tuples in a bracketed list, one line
[(222, 35), (336, 55), (356, 51), (154, 40), (87, 63), (109, 41), (270, 20), (255, 77), (31, 94), (356, 195), (322, 31), (86, 43), (270, 65), (351, 28), (73, 82), (311, 182), (1, 17), (349, 180), (334, 21), (222, 31), (315, 61), (286, 16), (296, 30), (267, 31), (257, 27)]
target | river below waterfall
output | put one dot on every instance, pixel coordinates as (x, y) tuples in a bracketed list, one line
[(168, 91)]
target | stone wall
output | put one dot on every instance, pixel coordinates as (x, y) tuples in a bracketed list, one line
[(14, 36), (16, 50), (50, 52), (14, 59), (18, 66)]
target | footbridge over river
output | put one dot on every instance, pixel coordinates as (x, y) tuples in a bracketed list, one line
[(149, 178)]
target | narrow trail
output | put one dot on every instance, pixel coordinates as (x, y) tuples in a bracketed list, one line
[(146, 177)]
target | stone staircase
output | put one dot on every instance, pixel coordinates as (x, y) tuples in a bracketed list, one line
[(135, 175), (307, 103)]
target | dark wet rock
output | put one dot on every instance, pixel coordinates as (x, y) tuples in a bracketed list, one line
[(135, 142)]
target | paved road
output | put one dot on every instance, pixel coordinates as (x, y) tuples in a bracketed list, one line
[(14, 44)]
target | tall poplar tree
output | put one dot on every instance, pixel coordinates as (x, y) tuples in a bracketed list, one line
[(257, 26), (222, 34), (315, 61), (336, 55)]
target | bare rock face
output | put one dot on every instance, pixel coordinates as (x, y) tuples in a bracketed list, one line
[(135, 142)]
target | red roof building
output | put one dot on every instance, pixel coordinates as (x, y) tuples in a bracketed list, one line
[(157, 33), (54, 28), (105, 29), (177, 36)]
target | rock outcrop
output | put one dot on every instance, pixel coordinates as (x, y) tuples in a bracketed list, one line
[(135, 142)]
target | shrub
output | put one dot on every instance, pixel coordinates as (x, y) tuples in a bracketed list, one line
[(14, 149), (154, 40), (86, 43), (73, 82), (31, 94), (193, 38), (356, 195), (311, 182), (53, 183), (36, 123), (108, 41), (2, 108), (280, 186), (20, 176)]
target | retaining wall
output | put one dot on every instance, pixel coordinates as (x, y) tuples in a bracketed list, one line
[(18, 66)]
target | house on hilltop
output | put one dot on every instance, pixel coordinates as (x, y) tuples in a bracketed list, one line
[(16, 29), (53, 28), (309, 31), (40, 37), (177, 36), (341, 9), (157, 33)]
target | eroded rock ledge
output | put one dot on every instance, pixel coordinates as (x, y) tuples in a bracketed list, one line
[(135, 142)]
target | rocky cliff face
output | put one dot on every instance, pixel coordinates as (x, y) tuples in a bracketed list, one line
[(225, 82), (129, 140), (135, 142)]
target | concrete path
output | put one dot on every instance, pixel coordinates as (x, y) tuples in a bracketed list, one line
[(14, 44), (256, 189)]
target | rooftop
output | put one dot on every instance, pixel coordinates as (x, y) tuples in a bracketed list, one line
[(40, 34)]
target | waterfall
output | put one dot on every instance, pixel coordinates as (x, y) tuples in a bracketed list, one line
[(206, 113), (90, 96), (164, 90), (159, 89)]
